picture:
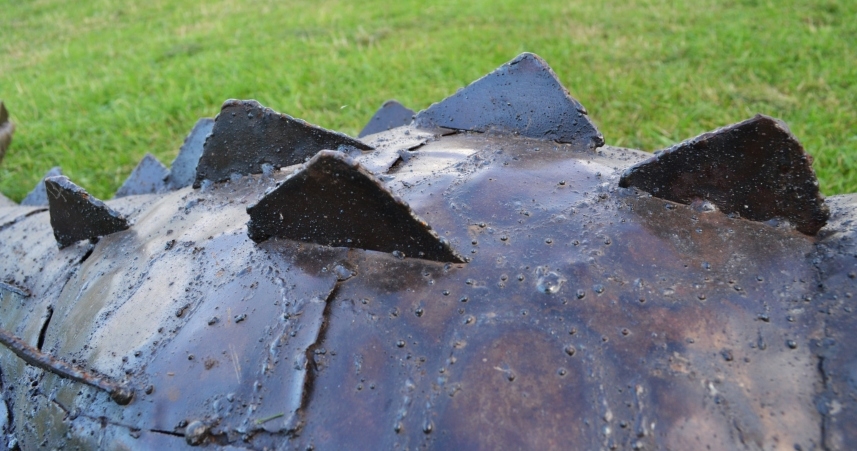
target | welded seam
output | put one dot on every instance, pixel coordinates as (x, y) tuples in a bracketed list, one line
[(825, 379), (71, 414), (312, 368)]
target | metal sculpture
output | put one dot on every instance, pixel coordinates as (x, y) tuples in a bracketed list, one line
[(488, 275)]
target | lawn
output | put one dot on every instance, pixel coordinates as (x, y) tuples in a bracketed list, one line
[(95, 85)]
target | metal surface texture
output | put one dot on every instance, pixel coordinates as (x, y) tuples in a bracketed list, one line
[(392, 114), (246, 136), (148, 177), (75, 215), (568, 304), (755, 169)]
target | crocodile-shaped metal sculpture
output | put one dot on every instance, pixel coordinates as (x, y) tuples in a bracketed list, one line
[(485, 273)]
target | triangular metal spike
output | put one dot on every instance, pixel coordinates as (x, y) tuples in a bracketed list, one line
[(183, 168), (247, 135), (6, 202), (392, 114), (38, 197), (334, 201), (522, 96), (75, 215), (756, 169), (7, 128), (147, 178)]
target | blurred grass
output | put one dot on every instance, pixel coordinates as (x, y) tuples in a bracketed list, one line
[(95, 85)]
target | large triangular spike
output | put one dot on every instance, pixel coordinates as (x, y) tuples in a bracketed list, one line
[(6, 202), (7, 128), (147, 178), (183, 168), (38, 197), (334, 201), (756, 169), (392, 114), (75, 215), (522, 96), (247, 135)]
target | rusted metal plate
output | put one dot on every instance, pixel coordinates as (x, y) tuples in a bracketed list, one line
[(334, 201), (148, 177), (586, 315), (755, 169), (392, 114), (247, 136)]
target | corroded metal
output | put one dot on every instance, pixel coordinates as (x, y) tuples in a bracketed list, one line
[(523, 96), (756, 169), (392, 114), (246, 136), (118, 392), (75, 215), (581, 315), (334, 201)]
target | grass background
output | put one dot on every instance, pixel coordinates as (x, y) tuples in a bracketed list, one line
[(95, 85)]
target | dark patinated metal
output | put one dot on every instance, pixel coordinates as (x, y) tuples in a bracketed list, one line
[(38, 197), (183, 168), (75, 215), (392, 114), (586, 315), (7, 129), (247, 136), (334, 201), (522, 96), (119, 393), (755, 169), (148, 177)]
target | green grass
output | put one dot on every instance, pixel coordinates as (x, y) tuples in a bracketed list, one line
[(95, 85)]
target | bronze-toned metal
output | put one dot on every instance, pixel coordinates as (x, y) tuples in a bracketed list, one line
[(580, 297)]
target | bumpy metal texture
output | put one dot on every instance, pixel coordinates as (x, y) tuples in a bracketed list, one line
[(246, 136), (334, 201), (583, 314), (75, 215), (523, 96), (756, 169), (392, 114)]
